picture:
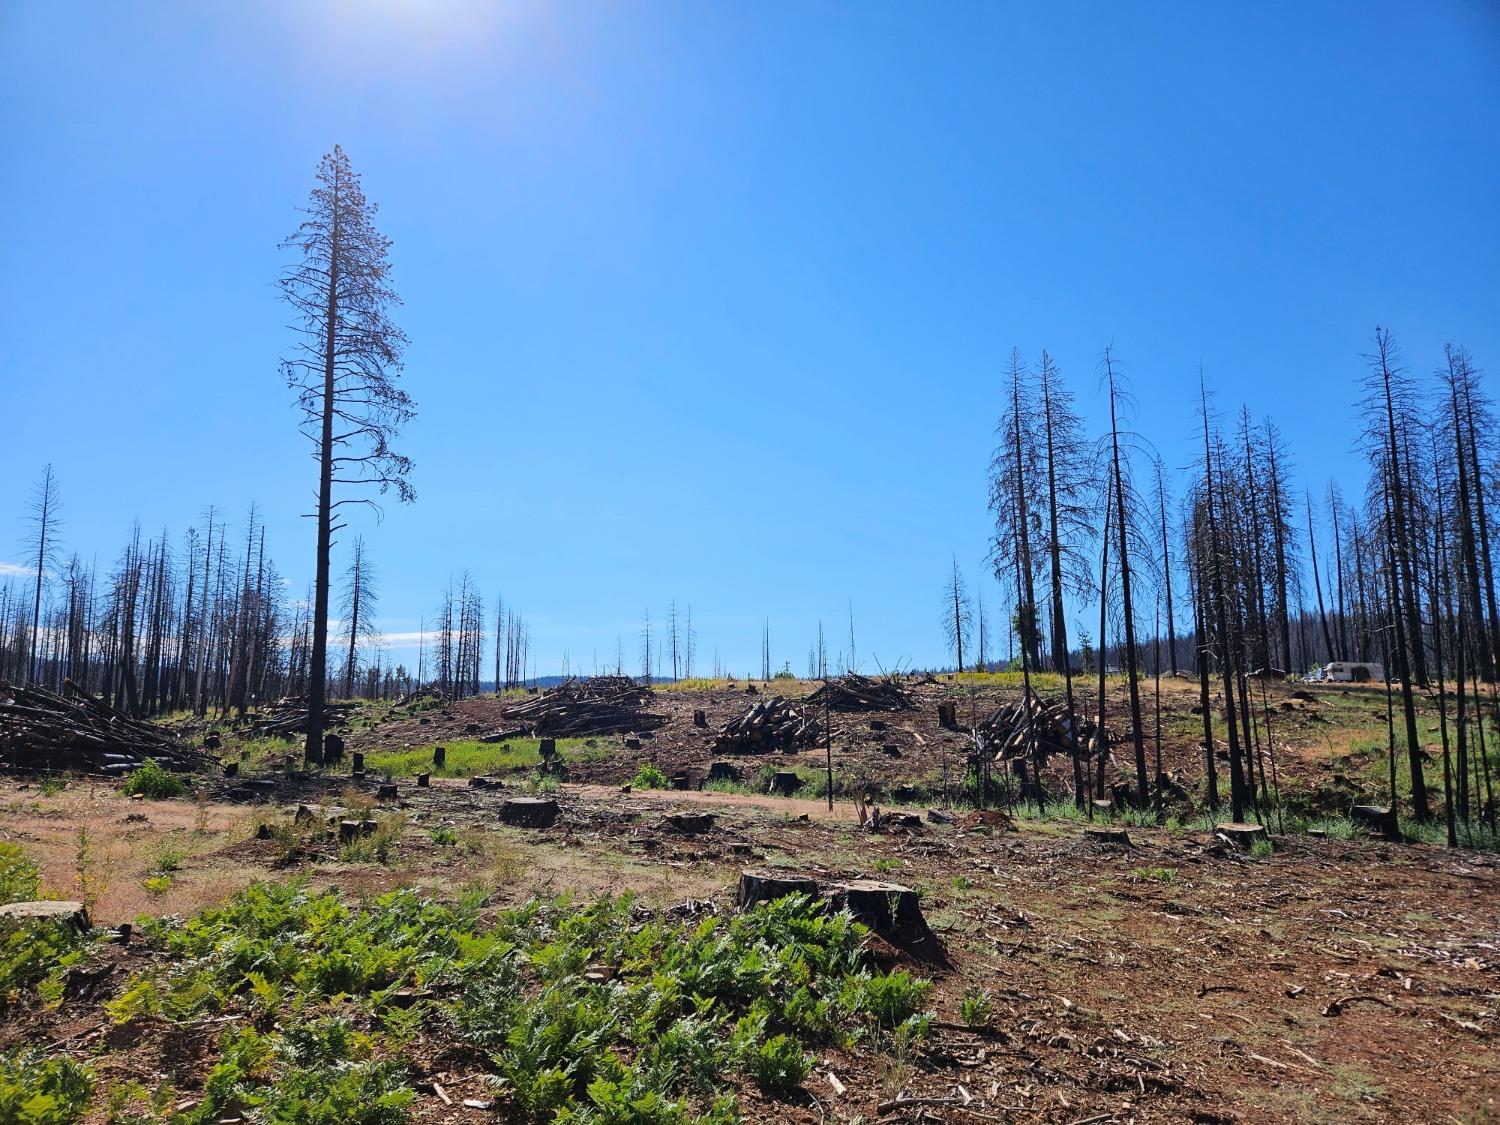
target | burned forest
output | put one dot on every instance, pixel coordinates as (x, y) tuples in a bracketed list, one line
[(1144, 762)]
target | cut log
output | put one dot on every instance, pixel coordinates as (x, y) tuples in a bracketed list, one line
[(767, 886), (892, 911), (1239, 835), (692, 824), (1376, 820), (1107, 834), (529, 812)]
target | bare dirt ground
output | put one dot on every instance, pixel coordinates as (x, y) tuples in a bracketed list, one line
[(1173, 979)]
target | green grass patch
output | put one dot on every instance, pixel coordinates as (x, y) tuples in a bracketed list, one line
[(472, 758)]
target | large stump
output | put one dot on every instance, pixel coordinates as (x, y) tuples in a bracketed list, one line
[(768, 886), (528, 812), (785, 783), (892, 911), (692, 824), (1107, 834), (72, 913), (1240, 835), (724, 771), (1376, 820)]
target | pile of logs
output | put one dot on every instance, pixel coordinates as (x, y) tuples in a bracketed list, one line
[(73, 731), (772, 724), (854, 692), (1031, 727), (426, 695), (601, 705), (288, 716)]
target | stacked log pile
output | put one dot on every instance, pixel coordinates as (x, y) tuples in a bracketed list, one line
[(601, 705), (854, 692), (288, 716), (43, 730), (1014, 729), (772, 724)]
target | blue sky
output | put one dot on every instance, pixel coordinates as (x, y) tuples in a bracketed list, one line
[(711, 301)]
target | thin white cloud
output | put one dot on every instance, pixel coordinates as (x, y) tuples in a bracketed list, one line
[(15, 570)]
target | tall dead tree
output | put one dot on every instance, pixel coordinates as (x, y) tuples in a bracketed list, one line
[(357, 610), (957, 615), (1123, 522), (42, 516), (344, 371)]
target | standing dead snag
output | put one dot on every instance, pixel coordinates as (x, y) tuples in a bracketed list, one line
[(957, 615), (344, 372)]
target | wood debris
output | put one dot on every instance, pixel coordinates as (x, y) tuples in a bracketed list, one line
[(854, 692), (599, 705), (42, 730), (774, 723)]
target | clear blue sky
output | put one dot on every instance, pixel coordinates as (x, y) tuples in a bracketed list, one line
[(711, 301)]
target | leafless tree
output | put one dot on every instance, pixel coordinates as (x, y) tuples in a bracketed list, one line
[(958, 615), (344, 371)]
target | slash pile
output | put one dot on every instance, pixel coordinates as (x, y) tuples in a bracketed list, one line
[(1007, 731), (289, 716), (854, 692), (73, 731), (600, 705), (772, 724)]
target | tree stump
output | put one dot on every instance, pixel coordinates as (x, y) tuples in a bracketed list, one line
[(529, 812), (1103, 808), (692, 824), (768, 886), (948, 715), (678, 780), (74, 914), (1376, 820), (893, 912), (1239, 835), (877, 725), (891, 750), (785, 784), (333, 748), (357, 763), (231, 769), (910, 822), (724, 771), (439, 756), (423, 780), (486, 783), (547, 748), (700, 718), (632, 744), (904, 793), (387, 792), (348, 831), (1107, 834)]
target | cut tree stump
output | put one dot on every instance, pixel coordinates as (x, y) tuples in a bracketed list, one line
[(1107, 834), (948, 715), (758, 885), (387, 791), (910, 822), (893, 912), (357, 762), (333, 748), (1240, 835), (785, 783), (877, 725), (529, 812), (1376, 820), (74, 913), (546, 748), (700, 718), (891, 750), (486, 783), (439, 756), (423, 780), (692, 824), (724, 771)]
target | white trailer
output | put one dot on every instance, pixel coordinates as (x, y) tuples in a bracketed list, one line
[(1354, 671)]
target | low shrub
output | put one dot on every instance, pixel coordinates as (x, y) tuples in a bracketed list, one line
[(648, 776), (36, 1090), (155, 781)]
